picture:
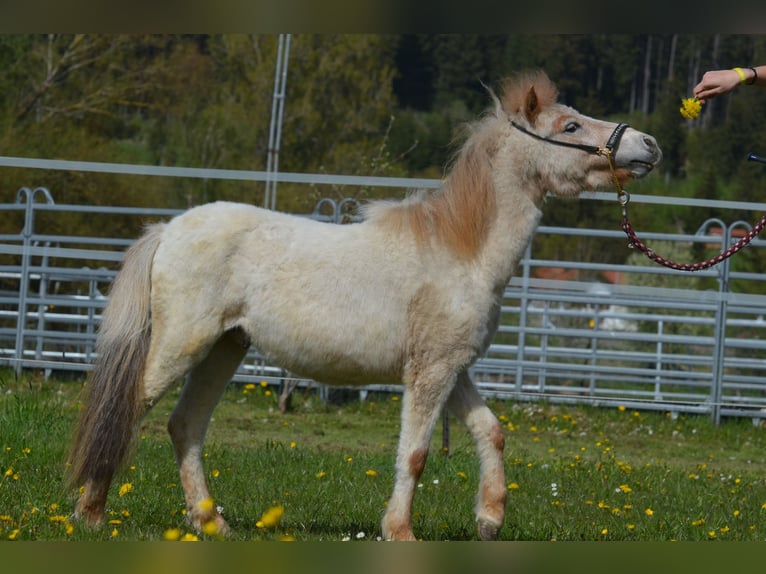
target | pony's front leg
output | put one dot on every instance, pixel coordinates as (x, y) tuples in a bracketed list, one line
[(421, 405), (468, 406), (188, 426)]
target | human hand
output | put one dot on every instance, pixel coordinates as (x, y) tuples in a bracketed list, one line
[(716, 82)]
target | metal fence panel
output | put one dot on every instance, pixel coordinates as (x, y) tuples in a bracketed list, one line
[(671, 349)]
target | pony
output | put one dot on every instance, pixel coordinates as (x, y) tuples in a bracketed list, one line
[(410, 295)]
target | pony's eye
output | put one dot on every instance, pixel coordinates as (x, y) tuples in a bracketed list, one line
[(571, 127)]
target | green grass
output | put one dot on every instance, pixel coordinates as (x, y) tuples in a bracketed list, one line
[(574, 473)]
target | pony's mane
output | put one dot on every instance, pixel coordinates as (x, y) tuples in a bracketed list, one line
[(461, 213)]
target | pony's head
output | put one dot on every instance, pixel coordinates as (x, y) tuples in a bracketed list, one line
[(564, 150)]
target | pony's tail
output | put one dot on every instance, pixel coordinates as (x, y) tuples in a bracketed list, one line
[(113, 406)]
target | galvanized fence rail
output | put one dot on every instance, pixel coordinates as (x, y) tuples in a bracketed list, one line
[(678, 349)]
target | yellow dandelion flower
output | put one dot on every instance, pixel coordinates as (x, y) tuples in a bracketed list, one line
[(189, 537), (625, 488), (711, 534), (125, 488), (631, 527), (321, 474), (395, 398), (210, 528), (206, 505), (736, 513), (513, 486), (370, 472), (724, 529), (9, 472), (250, 387), (287, 538), (604, 532), (68, 528), (115, 533), (26, 450), (621, 408), (264, 384), (698, 522), (690, 108), (216, 473), (293, 444), (58, 518), (461, 474), (271, 517), (172, 534), (6, 518), (649, 512), (267, 392), (14, 533), (115, 522)]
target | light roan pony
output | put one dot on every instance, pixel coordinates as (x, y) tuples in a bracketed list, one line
[(409, 296)]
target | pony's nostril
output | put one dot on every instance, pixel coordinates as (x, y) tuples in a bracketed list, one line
[(650, 142)]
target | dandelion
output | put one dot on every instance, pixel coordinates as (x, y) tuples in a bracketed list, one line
[(216, 473), (513, 486), (711, 534), (621, 408), (461, 474), (371, 472), (125, 488), (271, 517), (172, 534), (690, 108), (14, 533), (293, 444), (736, 513), (649, 512), (321, 474), (189, 537), (9, 472), (604, 532), (395, 398), (115, 533), (68, 528), (206, 505), (210, 528), (264, 384), (624, 488), (698, 522)]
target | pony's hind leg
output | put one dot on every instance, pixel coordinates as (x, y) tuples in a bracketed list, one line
[(468, 406), (189, 421)]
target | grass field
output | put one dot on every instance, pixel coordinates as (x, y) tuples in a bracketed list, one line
[(573, 473)]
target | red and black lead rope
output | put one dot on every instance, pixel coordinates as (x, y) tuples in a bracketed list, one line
[(635, 242)]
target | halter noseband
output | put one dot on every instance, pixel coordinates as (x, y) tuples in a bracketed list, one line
[(607, 150)]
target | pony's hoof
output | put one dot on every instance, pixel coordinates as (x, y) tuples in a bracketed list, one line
[(487, 531)]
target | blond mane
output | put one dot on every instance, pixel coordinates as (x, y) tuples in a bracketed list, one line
[(461, 213)]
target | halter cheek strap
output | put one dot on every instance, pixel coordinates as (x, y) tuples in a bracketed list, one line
[(608, 150)]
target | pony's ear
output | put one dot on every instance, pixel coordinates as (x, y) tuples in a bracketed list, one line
[(531, 106)]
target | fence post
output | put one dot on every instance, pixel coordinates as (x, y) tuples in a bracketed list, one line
[(27, 195)]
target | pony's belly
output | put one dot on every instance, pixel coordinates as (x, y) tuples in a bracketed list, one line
[(340, 368)]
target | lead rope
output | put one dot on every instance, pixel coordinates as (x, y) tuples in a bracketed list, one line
[(635, 243)]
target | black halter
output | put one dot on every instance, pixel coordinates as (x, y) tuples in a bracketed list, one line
[(607, 150)]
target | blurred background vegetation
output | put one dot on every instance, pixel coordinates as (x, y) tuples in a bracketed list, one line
[(366, 105)]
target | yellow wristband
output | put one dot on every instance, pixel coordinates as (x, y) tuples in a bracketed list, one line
[(741, 74)]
